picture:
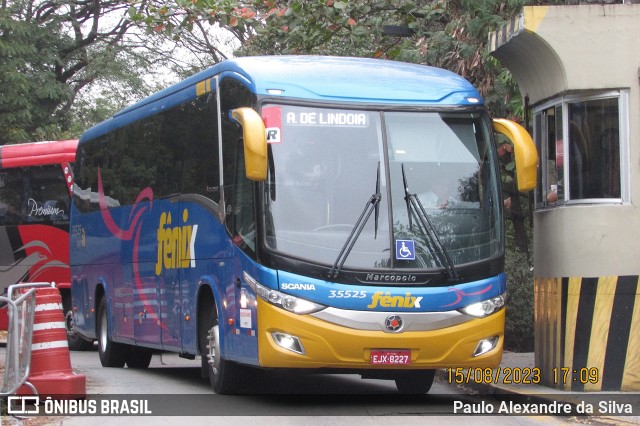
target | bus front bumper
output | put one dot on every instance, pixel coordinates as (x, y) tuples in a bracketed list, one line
[(321, 344)]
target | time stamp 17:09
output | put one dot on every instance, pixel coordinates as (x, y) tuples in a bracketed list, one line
[(521, 376)]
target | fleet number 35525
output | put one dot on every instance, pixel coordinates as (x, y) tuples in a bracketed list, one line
[(347, 294)]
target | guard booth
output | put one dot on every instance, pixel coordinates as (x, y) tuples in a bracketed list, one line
[(579, 68)]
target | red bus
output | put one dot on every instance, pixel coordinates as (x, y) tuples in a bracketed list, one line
[(35, 188)]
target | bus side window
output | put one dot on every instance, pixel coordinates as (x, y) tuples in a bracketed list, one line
[(201, 172), (10, 196), (238, 190), (11, 215)]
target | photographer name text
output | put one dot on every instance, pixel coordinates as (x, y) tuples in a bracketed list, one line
[(551, 407)]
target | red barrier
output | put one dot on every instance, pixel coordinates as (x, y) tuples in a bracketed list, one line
[(4, 318), (50, 371)]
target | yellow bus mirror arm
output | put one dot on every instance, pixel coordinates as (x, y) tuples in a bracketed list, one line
[(255, 142), (525, 152)]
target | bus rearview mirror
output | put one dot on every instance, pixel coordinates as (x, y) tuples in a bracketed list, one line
[(255, 143), (526, 155)]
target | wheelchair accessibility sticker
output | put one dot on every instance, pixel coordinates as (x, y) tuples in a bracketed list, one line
[(405, 250)]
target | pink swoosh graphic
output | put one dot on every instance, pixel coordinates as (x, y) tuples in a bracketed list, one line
[(460, 294), (125, 235), (135, 226)]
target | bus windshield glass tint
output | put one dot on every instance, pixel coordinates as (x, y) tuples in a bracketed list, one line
[(324, 171)]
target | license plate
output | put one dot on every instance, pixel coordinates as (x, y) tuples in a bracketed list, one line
[(390, 357)]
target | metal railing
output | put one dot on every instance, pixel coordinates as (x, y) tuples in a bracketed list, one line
[(21, 310)]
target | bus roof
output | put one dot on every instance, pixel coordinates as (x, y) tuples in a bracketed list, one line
[(321, 78), (38, 153)]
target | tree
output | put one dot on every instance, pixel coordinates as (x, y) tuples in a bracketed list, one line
[(449, 34), (196, 24), (28, 91), (52, 51)]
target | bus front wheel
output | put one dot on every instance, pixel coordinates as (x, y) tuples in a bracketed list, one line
[(415, 382), (112, 354), (223, 375)]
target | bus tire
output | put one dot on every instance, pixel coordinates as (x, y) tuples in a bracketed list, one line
[(222, 373), (415, 382), (112, 354), (75, 341), (139, 357)]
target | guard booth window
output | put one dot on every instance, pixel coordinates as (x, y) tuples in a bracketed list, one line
[(580, 140)]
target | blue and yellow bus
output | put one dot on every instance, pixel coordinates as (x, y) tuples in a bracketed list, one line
[(299, 212)]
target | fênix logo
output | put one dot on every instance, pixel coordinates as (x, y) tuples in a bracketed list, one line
[(176, 244), (386, 300)]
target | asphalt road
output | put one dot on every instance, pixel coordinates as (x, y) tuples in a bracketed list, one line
[(175, 394)]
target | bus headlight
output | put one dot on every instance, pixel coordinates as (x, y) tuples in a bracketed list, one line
[(485, 307), (288, 302)]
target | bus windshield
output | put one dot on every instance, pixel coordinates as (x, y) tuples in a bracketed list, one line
[(325, 170), (34, 195)]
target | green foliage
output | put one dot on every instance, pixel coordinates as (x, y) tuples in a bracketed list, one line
[(519, 327), (29, 90), (450, 34), (53, 53)]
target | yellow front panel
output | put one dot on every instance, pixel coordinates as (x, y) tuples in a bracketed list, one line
[(329, 345)]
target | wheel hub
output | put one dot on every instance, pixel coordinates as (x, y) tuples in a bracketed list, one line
[(213, 353)]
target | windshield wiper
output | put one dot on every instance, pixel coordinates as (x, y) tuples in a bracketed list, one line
[(415, 207), (377, 204), (373, 204)]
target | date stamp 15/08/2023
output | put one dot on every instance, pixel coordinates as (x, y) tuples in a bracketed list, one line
[(519, 375)]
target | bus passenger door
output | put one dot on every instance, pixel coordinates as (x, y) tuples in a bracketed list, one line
[(172, 242), (123, 308), (146, 311), (157, 281), (241, 224), (170, 311)]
